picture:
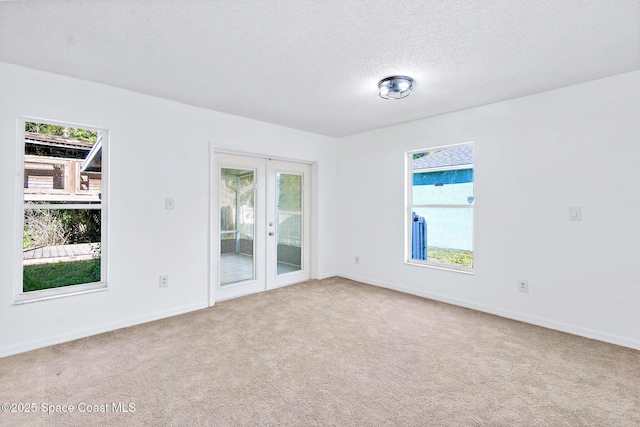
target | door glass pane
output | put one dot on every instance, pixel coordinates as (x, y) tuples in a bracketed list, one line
[(289, 222), (236, 225)]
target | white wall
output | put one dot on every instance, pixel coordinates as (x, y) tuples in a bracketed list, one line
[(534, 157), (158, 148)]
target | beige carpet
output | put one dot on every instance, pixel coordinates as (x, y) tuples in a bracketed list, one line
[(331, 352)]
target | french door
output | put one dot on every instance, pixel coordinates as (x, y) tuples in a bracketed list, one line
[(263, 224)]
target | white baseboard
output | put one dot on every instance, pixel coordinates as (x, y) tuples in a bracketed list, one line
[(83, 333), (534, 320), (326, 276)]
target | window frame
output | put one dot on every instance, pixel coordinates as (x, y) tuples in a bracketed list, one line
[(19, 296), (410, 206)]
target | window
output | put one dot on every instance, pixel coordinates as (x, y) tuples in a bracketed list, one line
[(440, 207), (63, 209)]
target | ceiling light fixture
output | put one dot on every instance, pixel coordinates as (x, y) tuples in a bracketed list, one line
[(395, 87)]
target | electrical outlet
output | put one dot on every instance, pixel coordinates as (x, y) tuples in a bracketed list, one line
[(169, 203), (357, 259), (523, 286), (164, 281)]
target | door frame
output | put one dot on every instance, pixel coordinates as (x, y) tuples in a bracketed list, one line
[(214, 215)]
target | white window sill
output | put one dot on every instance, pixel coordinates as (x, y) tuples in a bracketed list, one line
[(463, 270), (55, 293)]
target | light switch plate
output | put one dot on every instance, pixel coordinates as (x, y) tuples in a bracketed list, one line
[(169, 203), (575, 213)]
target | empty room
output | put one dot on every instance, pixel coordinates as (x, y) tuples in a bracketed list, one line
[(336, 213)]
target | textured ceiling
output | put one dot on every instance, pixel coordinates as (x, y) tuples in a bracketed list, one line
[(314, 65)]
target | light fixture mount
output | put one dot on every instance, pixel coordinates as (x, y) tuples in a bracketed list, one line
[(395, 87)]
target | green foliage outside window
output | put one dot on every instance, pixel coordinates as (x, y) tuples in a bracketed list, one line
[(67, 132)]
